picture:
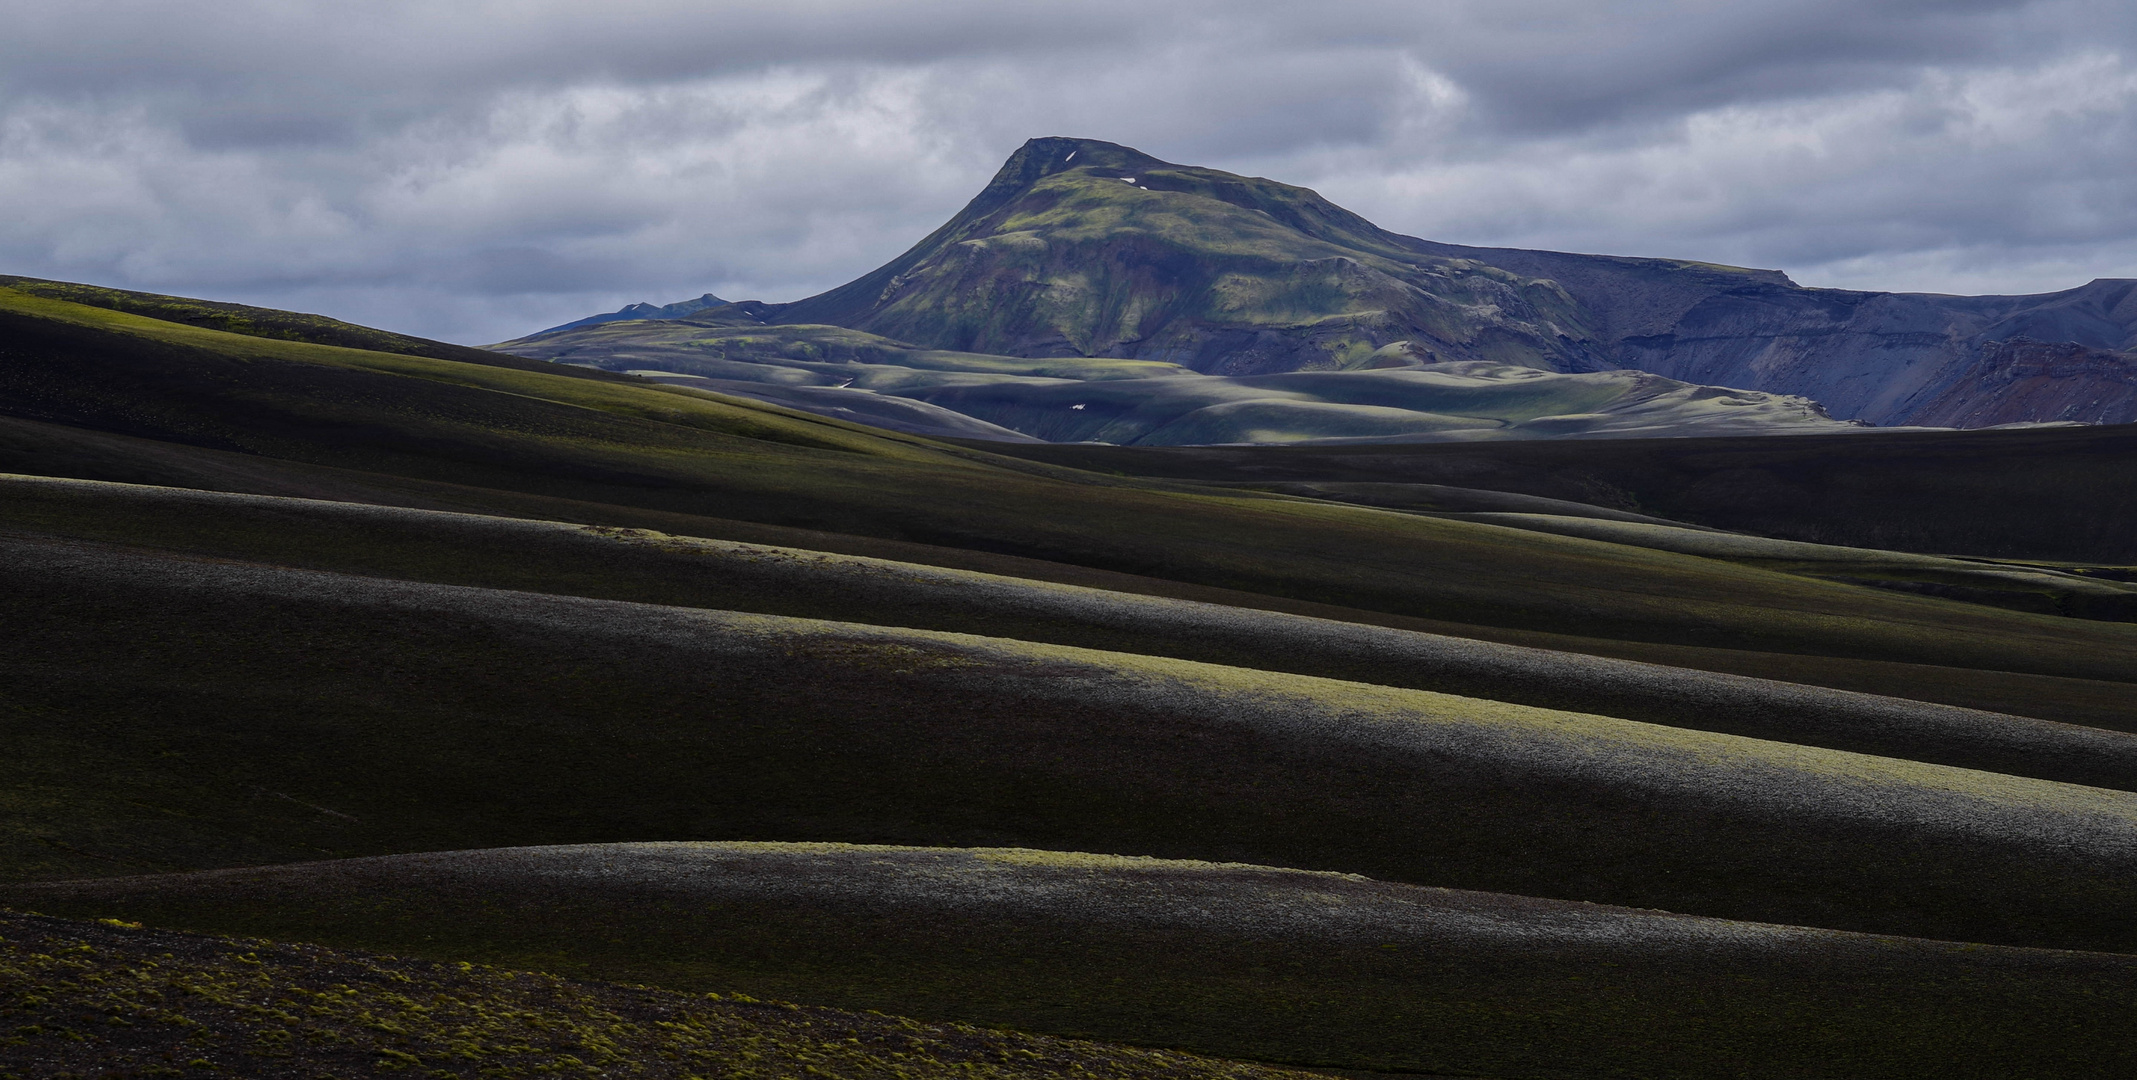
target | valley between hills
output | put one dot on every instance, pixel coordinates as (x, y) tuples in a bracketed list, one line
[(1380, 675)]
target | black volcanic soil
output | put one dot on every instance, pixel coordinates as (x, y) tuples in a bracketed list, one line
[(108, 999)]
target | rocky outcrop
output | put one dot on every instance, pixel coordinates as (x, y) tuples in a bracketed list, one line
[(2022, 380), (1884, 358)]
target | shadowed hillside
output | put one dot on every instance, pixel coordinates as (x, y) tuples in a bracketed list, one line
[(277, 714), (501, 632), (1234, 960), (629, 564), (677, 450), (2050, 494), (113, 999)]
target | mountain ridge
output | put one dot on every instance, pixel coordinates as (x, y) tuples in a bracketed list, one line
[(642, 310), (1079, 247)]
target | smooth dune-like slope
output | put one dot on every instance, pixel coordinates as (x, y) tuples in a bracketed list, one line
[(2060, 590), (685, 571), (1236, 960), (257, 714), (108, 999), (54, 450), (2052, 493), (269, 323), (673, 450)]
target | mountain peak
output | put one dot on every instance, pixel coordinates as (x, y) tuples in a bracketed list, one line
[(1043, 157), (640, 310), (1086, 248)]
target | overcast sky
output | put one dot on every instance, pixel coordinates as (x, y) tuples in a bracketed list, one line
[(475, 171)]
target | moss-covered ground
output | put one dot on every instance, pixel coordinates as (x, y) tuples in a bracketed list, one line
[(107, 999), (1236, 961)]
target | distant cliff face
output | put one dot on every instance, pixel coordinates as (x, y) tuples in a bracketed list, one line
[(1087, 248), (1886, 358), (2036, 380)]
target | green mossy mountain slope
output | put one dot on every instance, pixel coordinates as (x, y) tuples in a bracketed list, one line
[(1087, 248), (1081, 247)]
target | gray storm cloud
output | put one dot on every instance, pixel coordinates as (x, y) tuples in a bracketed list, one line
[(475, 171)]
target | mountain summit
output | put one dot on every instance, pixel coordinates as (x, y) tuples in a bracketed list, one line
[(1083, 248)]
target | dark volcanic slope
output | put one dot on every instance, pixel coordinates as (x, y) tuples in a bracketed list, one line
[(269, 323), (108, 999), (632, 564), (679, 450), (1229, 959), (2054, 493), (170, 713), (1081, 247)]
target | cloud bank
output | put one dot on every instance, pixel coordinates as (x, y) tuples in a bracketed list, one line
[(477, 170)]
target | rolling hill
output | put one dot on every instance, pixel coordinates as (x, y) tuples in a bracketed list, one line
[(1233, 960), (2043, 494), (477, 658), (112, 998)]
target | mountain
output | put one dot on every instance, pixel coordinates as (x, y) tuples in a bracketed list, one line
[(643, 310), (1086, 248)]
